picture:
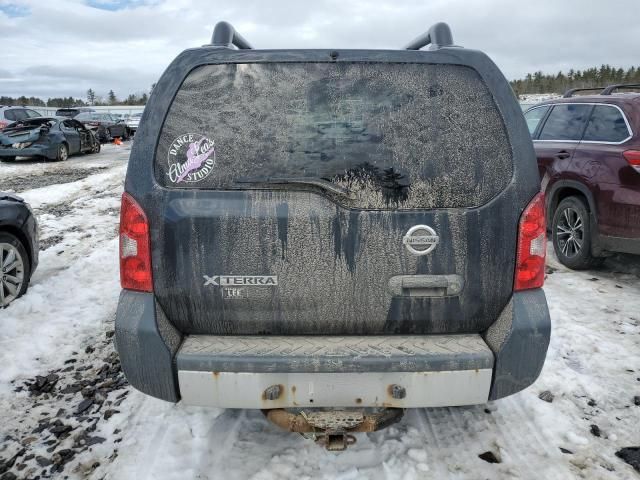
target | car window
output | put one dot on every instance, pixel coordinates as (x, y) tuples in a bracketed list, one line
[(32, 113), (77, 125), (16, 114), (606, 124), (68, 125), (534, 116), (367, 128), (565, 122)]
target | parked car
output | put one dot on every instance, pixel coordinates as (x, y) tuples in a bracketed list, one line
[(11, 114), (588, 150), (318, 229), (133, 121), (73, 111), (18, 247), (105, 125), (48, 137)]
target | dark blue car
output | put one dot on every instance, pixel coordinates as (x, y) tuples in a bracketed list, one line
[(53, 138)]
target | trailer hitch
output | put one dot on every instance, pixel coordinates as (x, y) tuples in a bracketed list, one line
[(333, 428)]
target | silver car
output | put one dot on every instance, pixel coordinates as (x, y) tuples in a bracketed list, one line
[(133, 121)]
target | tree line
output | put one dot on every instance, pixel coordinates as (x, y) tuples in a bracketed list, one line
[(536, 82), (92, 99), (560, 82)]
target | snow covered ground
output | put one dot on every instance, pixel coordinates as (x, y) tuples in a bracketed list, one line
[(84, 421)]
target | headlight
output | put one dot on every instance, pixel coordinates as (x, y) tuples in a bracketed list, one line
[(22, 145)]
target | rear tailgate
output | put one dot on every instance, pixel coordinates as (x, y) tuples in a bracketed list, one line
[(292, 192)]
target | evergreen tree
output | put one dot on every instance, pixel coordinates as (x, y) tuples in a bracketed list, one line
[(112, 98), (91, 96), (593, 77)]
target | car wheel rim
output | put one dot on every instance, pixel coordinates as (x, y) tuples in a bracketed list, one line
[(63, 153), (11, 273), (570, 232)]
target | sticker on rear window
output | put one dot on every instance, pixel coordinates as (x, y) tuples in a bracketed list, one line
[(191, 158)]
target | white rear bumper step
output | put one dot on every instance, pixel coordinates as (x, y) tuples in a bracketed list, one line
[(369, 389), (330, 371)]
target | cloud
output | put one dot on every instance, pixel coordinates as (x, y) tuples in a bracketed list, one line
[(12, 10), (64, 47)]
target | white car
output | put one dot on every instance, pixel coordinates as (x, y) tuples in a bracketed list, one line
[(133, 121), (9, 114)]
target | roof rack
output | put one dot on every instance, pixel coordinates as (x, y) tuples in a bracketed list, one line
[(224, 35), (611, 88), (439, 35), (571, 91)]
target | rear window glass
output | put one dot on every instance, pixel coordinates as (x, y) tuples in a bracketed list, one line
[(390, 135), (565, 122), (606, 124)]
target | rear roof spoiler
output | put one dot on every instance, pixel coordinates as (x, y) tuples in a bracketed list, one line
[(439, 35), (224, 35)]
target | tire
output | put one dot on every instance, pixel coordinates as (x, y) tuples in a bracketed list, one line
[(62, 153), (96, 147), (571, 234), (15, 269), (7, 159)]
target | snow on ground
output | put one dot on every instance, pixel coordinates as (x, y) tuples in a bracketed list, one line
[(64, 323)]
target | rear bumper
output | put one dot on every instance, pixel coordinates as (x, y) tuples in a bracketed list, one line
[(239, 372), (33, 151)]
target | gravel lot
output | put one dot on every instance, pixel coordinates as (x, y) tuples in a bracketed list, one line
[(66, 411)]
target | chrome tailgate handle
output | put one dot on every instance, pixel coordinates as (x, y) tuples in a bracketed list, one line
[(425, 285)]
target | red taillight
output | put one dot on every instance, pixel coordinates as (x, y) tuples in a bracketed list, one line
[(532, 246), (3, 124), (633, 157), (135, 251)]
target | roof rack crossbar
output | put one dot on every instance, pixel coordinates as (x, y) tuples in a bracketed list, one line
[(611, 88), (571, 91), (224, 35), (439, 35)]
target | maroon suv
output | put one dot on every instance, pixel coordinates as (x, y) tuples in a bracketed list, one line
[(588, 150)]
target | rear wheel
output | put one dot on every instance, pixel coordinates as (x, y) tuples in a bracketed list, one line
[(8, 159), (571, 233), (63, 152), (14, 269)]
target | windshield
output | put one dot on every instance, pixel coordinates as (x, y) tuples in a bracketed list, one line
[(394, 135)]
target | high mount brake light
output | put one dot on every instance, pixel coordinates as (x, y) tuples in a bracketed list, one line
[(532, 246), (135, 247), (633, 157)]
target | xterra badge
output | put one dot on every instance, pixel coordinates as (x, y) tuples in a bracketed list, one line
[(241, 280), (421, 239), (191, 158)]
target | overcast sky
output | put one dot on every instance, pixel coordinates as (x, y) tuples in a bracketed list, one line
[(63, 47)]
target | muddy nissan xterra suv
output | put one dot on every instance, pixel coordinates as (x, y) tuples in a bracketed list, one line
[(354, 229)]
